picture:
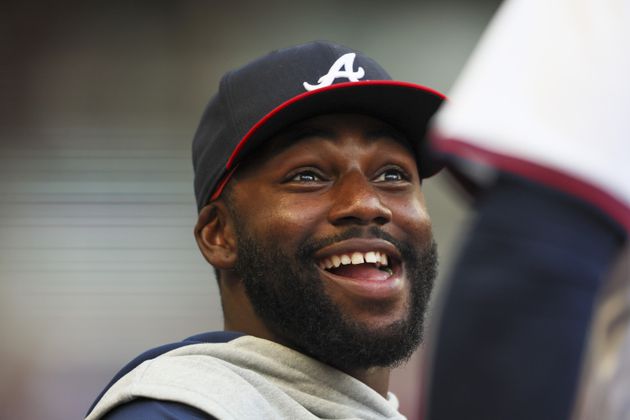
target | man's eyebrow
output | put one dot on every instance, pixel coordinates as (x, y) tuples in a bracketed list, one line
[(301, 132), (295, 134)]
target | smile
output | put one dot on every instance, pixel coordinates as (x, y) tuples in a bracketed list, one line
[(376, 259), (366, 268)]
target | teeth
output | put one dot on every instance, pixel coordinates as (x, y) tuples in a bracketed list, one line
[(357, 258), (336, 260), (372, 257)]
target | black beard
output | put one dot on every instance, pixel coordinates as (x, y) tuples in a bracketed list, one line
[(288, 295)]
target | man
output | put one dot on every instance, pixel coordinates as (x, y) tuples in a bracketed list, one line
[(308, 172)]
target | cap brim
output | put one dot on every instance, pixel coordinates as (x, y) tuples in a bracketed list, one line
[(406, 106)]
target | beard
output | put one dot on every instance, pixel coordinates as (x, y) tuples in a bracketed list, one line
[(287, 293)]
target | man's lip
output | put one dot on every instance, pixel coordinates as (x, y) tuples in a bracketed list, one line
[(349, 246), (370, 289)]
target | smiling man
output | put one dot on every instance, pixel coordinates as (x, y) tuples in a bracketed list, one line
[(336, 259), (308, 177)]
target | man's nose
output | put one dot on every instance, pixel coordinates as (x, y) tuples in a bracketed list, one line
[(357, 201)]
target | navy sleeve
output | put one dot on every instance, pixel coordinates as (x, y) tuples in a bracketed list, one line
[(516, 313), (146, 409)]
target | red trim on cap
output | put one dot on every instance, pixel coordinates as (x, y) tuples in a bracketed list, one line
[(219, 189), (298, 98), (614, 207)]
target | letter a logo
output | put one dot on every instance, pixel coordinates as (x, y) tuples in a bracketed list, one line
[(340, 68)]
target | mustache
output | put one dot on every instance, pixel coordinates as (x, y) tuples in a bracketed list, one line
[(307, 249)]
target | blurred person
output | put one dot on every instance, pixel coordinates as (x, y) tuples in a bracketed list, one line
[(537, 128), (308, 178)]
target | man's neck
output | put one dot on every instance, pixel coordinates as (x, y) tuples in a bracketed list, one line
[(376, 378), (239, 315)]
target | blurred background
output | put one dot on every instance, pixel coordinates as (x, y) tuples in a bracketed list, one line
[(99, 102)]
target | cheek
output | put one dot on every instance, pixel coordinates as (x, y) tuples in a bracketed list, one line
[(412, 217), (286, 220)]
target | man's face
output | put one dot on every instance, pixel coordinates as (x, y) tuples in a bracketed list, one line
[(334, 241)]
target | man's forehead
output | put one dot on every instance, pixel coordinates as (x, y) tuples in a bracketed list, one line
[(332, 128)]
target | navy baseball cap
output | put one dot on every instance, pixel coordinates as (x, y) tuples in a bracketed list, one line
[(256, 101)]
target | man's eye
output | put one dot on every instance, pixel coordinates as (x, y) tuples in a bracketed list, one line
[(391, 175), (306, 176)]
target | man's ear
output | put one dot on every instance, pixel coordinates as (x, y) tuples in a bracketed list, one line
[(215, 235)]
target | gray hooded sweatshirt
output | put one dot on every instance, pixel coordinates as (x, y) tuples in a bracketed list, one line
[(249, 378)]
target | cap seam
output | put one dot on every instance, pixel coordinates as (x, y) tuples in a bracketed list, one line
[(228, 102)]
